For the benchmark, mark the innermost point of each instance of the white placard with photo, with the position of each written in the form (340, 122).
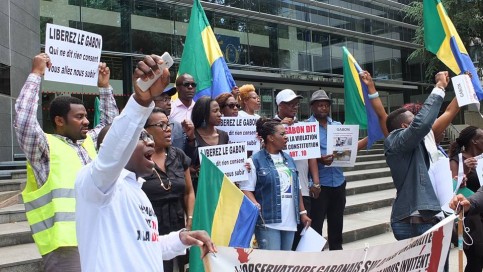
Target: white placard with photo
(465, 91)
(75, 55)
(230, 158)
(342, 143)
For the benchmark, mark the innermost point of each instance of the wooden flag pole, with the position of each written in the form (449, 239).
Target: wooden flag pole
(460, 242)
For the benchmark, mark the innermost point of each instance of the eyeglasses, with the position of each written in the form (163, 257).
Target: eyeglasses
(187, 84)
(162, 98)
(163, 126)
(146, 137)
(233, 105)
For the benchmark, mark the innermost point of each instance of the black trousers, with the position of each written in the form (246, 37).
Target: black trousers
(330, 204)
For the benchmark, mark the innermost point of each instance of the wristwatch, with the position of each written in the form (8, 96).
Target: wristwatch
(316, 185)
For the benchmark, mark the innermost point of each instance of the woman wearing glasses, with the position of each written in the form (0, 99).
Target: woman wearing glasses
(228, 105)
(169, 188)
(249, 101)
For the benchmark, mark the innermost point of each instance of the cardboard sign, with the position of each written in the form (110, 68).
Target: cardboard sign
(230, 158)
(75, 55)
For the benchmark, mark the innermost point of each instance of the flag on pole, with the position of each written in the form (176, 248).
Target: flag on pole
(358, 107)
(202, 57)
(442, 39)
(97, 112)
(222, 210)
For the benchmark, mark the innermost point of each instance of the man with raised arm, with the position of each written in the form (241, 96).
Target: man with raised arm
(53, 162)
(117, 228)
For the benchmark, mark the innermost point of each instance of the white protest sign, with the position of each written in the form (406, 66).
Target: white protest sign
(75, 55)
(311, 241)
(303, 140)
(342, 143)
(465, 91)
(422, 253)
(229, 158)
(241, 129)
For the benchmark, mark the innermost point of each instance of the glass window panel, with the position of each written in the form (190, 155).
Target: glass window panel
(4, 79)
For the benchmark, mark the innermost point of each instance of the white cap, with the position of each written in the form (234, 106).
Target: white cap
(286, 95)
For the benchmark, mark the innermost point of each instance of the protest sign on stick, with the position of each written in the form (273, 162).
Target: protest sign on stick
(75, 55)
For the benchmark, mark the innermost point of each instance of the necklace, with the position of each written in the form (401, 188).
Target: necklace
(162, 183)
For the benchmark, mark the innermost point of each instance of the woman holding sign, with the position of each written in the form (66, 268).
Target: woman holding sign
(273, 183)
(470, 144)
(169, 188)
(205, 116)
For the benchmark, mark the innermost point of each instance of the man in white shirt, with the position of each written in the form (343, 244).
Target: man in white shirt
(117, 229)
(182, 107)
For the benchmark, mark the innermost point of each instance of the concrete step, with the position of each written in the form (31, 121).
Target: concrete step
(373, 157)
(19, 157)
(20, 258)
(367, 174)
(364, 224)
(15, 234)
(10, 165)
(13, 174)
(371, 151)
(367, 165)
(366, 186)
(7, 194)
(369, 201)
(12, 184)
(14, 213)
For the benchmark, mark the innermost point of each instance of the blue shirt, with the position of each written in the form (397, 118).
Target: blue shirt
(328, 176)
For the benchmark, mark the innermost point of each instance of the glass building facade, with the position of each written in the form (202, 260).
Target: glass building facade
(274, 44)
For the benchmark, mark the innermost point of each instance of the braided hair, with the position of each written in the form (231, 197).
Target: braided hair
(463, 140)
(266, 127)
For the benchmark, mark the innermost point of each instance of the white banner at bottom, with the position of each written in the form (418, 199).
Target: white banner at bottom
(423, 253)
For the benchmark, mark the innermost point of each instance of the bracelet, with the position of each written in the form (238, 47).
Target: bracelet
(316, 185)
(303, 212)
(373, 96)
(190, 217)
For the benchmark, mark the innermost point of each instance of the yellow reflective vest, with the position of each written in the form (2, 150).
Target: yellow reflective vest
(50, 209)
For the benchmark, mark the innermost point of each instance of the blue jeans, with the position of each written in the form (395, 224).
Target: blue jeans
(273, 239)
(403, 231)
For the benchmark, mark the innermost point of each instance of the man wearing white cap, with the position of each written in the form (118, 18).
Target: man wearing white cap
(288, 105)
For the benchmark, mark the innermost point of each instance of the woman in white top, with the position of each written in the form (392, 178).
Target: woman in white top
(249, 101)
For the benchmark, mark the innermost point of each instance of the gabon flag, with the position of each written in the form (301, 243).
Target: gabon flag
(202, 57)
(222, 210)
(442, 39)
(358, 107)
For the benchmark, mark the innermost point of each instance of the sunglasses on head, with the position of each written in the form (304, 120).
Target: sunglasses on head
(146, 137)
(188, 84)
(233, 105)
